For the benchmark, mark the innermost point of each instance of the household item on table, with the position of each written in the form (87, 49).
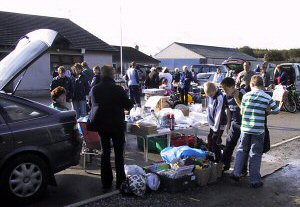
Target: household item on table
(136, 113)
(185, 109)
(153, 92)
(143, 129)
(196, 107)
(198, 118)
(156, 103)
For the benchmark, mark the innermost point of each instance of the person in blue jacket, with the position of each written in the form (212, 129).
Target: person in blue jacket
(185, 79)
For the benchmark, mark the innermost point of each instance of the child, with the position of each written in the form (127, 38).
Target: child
(96, 78)
(254, 108)
(233, 100)
(164, 85)
(216, 118)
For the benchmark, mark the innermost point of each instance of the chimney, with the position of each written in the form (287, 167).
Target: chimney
(137, 47)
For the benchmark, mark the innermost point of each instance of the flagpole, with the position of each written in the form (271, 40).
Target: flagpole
(121, 49)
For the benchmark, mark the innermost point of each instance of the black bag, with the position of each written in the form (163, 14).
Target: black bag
(267, 145)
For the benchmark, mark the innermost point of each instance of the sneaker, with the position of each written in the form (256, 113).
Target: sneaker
(234, 178)
(257, 185)
(244, 174)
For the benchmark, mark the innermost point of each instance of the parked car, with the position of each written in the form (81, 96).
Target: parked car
(206, 68)
(293, 72)
(36, 141)
(202, 78)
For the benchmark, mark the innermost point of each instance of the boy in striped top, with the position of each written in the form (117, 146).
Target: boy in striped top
(255, 107)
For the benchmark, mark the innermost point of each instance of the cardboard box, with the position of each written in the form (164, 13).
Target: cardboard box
(156, 103)
(143, 129)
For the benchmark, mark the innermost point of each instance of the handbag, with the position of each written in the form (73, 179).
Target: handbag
(267, 144)
(91, 122)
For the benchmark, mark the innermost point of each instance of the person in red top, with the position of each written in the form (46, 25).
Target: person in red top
(281, 76)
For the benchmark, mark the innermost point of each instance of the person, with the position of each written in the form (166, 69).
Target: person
(65, 82)
(257, 69)
(232, 99)
(58, 96)
(108, 104)
(185, 80)
(55, 73)
(281, 76)
(81, 91)
(133, 83)
(96, 78)
(176, 79)
(87, 72)
(265, 75)
(152, 79)
(166, 74)
(216, 118)
(244, 77)
(164, 85)
(255, 106)
(218, 77)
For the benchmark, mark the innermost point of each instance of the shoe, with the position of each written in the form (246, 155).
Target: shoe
(244, 174)
(235, 178)
(257, 185)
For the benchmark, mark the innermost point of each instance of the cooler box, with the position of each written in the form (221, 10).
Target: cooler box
(155, 144)
(179, 184)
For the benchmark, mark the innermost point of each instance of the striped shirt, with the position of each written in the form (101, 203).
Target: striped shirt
(254, 106)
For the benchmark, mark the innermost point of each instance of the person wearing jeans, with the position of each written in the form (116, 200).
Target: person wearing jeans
(254, 108)
(132, 78)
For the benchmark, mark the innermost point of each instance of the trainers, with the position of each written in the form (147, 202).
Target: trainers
(244, 174)
(234, 178)
(257, 185)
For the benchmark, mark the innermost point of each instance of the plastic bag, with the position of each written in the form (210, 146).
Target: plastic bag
(169, 155)
(133, 170)
(196, 108)
(173, 154)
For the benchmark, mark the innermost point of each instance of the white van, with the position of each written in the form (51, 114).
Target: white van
(293, 71)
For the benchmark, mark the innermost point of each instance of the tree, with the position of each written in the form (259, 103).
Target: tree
(247, 50)
(274, 55)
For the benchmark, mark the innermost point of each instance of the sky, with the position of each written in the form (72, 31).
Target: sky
(155, 24)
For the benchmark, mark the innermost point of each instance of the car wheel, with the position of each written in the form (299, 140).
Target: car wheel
(25, 178)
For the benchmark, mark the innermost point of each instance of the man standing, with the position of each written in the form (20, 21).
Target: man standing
(152, 79)
(81, 91)
(133, 83)
(87, 72)
(65, 82)
(107, 115)
(244, 77)
(185, 79)
(218, 77)
(254, 108)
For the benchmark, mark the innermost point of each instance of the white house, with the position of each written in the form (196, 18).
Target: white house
(179, 54)
(79, 45)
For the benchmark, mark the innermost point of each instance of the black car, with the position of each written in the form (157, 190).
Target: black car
(36, 141)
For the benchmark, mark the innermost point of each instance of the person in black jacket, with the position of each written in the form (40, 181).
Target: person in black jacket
(65, 82)
(96, 78)
(107, 116)
(152, 79)
(81, 91)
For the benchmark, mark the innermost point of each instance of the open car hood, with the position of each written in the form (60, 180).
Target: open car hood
(29, 48)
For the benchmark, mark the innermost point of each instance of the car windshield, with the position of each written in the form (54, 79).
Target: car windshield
(236, 67)
(203, 76)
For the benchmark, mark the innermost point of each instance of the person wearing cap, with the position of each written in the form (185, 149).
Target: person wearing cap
(152, 79)
(108, 102)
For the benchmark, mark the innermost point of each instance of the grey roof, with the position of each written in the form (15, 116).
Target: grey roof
(217, 52)
(131, 54)
(14, 25)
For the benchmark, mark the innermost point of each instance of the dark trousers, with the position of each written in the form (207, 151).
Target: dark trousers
(118, 139)
(134, 93)
(212, 140)
(231, 142)
(184, 95)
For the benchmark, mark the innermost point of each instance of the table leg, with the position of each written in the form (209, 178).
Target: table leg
(145, 148)
(169, 139)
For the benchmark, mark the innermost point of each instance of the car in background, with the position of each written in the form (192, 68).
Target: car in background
(36, 141)
(293, 72)
(206, 68)
(234, 66)
(202, 78)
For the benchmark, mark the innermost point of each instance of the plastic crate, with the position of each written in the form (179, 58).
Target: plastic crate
(155, 144)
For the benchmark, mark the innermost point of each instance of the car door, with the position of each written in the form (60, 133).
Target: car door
(26, 123)
(297, 79)
(5, 137)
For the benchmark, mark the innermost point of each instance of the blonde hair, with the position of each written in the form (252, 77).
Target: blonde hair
(257, 81)
(209, 86)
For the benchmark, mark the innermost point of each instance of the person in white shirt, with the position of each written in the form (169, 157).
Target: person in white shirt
(167, 75)
(218, 77)
(132, 78)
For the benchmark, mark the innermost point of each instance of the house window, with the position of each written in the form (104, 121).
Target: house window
(64, 60)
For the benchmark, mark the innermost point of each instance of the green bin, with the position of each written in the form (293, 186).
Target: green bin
(155, 144)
